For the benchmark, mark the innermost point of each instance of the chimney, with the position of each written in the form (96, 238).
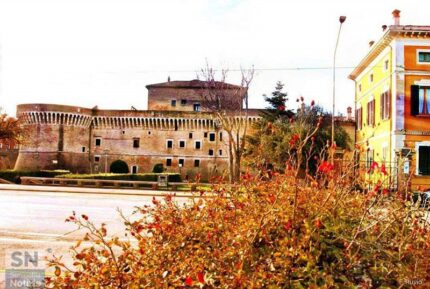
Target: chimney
(384, 27)
(396, 16)
(349, 112)
(371, 43)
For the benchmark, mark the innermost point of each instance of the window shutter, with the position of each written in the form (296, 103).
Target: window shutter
(415, 95)
(388, 103)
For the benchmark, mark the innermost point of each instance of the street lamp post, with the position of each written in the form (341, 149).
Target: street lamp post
(341, 20)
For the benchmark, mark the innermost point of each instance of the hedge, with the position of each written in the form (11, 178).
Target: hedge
(12, 175)
(148, 177)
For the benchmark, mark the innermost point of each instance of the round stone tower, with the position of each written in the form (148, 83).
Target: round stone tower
(57, 137)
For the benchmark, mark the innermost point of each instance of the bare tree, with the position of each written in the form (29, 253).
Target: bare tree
(229, 104)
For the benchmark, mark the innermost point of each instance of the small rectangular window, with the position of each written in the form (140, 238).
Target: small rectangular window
(371, 77)
(134, 169)
(220, 152)
(96, 159)
(211, 152)
(359, 87)
(168, 162)
(136, 142)
(205, 134)
(183, 101)
(173, 102)
(220, 136)
(198, 145)
(196, 107)
(181, 162)
(212, 136)
(98, 142)
(424, 56)
(190, 135)
(83, 149)
(196, 163)
(169, 143)
(181, 143)
(386, 64)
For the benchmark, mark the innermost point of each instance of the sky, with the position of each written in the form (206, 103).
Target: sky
(104, 52)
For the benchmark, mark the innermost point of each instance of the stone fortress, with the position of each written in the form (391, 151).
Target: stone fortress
(175, 131)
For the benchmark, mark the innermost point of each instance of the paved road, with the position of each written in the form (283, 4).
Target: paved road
(35, 219)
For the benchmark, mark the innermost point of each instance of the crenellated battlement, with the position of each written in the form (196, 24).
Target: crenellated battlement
(117, 119)
(55, 118)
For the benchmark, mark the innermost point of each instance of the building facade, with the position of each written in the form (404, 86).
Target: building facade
(392, 100)
(175, 131)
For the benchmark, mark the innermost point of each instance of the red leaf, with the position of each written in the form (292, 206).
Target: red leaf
(189, 281)
(201, 277)
(318, 223)
(288, 225)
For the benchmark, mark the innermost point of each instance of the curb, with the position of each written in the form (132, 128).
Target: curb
(98, 191)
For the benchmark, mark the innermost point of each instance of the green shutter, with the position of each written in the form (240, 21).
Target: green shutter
(415, 99)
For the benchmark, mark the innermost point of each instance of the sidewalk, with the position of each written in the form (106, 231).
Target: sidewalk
(103, 191)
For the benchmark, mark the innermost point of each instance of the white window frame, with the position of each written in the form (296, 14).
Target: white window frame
(418, 56)
(195, 144)
(179, 143)
(167, 141)
(417, 160)
(95, 141)
(97, 156)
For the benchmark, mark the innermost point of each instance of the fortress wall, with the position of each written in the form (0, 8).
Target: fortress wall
(117, 134)
(56, 136)
(66, 137)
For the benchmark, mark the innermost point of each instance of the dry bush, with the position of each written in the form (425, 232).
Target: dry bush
(273, 230)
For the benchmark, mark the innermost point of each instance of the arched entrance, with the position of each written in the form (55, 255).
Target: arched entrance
(119, 167)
